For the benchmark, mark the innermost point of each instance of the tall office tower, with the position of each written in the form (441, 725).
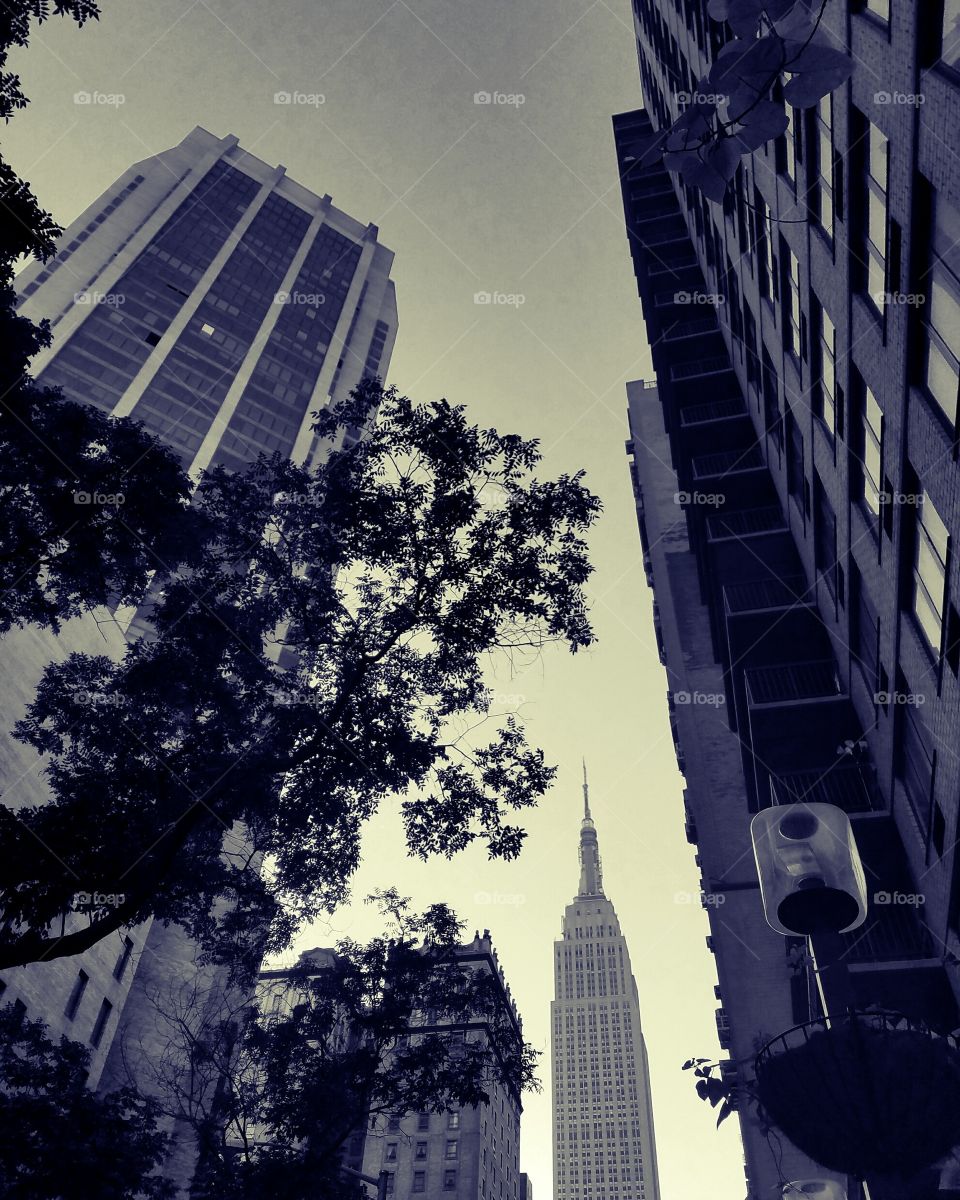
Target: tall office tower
(801, 544)
(461, 1154)
(603, 1142)
(210, 296)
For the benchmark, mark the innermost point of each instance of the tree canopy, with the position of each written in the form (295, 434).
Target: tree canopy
(61, 1140)
(325, 652)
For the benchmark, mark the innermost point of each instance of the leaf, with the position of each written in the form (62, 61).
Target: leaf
(816, 70)
(725, 1112)
(743, 16)
(702, 1089)
(764, 122)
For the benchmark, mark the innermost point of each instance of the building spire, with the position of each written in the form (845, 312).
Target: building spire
(591, 873)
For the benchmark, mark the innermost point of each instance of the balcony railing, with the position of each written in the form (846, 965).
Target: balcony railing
(664, 237)
(728, 462)
(762, 595)
(687, 329)
(700, 366)
(787, 683)
(892, 933)
(746, 522)
(714, 410)
(844, 784)
(664, 266)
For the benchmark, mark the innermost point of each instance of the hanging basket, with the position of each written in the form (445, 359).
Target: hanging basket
(868, 1094)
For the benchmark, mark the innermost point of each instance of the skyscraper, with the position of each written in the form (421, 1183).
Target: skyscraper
(603, 1137)
(208, 295)
(213, 298)
(795, 471)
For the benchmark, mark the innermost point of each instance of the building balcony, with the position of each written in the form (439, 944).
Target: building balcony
(770, 594)
(700, 368)
(793, 683)
(720, 424)
(746, 522)
(713, 411)
(679, 265)
(843, 783)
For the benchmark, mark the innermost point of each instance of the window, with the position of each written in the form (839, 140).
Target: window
(875, 243)
(871, 452)
(950, 41)
(879, 8)
(929, 571)
(419, 1181)
(391, 1152)
(103, 1016)
(791, 303)
(449, 1181)
(451, 1150)
(791, 145)
(76, 995)
(391, 1183)
(915, 758)
(421, 1150)
(123, 959)
(795, 476)
(393, 1124)
(827, 363)
(453, 1120)
(768, 264)
(866, 633)
(825, 190)
(423, 1121)
(942, 371)
(824, 537)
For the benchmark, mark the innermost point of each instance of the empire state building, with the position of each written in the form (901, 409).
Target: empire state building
(603, 1141)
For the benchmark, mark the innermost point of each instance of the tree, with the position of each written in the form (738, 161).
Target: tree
(384, 580)
(60, 1140)
(90, 508)
(738, 106)
(395, 1026)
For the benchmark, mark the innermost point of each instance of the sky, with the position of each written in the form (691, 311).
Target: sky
(517, 197)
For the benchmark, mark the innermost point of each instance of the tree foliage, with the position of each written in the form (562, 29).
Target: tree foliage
(777, 56)
(58, 1139)
(383, 581)
(398, 1025)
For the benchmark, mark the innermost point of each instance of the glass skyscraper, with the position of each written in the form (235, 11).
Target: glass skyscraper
(603, 1141)
(217, 301)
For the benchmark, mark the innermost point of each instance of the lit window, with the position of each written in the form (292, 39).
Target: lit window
(878, 170)
(950, 42)
(451, 1150)
(879, 8)
(828, 371)
(453, 1120)
(943, 310)
(872, 451)
(207, 329)
(824, 196)
(930, 571)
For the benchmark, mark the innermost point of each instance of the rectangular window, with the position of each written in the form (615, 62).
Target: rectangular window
(824, 537)
(791, 302)
(795, 477)
(915, 758)
(866, 473)
(100, 1025)
(950, 40)
(123, 958)
(930, 572)
(791, 138)
(449, 1181)
(451, 1150)
(423, 1121)
(419, 1181)
(421, 1150)
(875, 242)
(826, 187)
(393, 1124)
(879, 8)
(866, 633)
(827, 383)
(453, 1120)
(765, 242)
(391, 1183)
(76, 995)
(391, 1152)
(942, 371)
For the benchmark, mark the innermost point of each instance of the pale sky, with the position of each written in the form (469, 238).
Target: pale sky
(516, 198)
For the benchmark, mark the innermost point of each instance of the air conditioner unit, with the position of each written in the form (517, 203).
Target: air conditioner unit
(823, 1189)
